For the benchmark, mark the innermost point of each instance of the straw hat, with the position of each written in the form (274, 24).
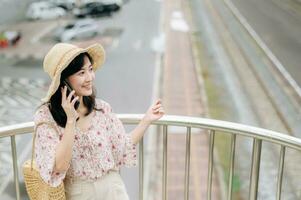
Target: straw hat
(60, 56)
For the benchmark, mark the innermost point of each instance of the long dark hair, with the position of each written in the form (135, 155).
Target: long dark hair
(55, 101)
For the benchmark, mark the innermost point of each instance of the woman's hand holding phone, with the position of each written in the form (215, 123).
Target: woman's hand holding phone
(68, 105)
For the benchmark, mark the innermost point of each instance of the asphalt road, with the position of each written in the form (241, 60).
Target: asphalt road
(125, 80)
(278, 23)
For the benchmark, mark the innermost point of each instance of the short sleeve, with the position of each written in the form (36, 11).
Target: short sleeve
(46, 141)
(123, 149)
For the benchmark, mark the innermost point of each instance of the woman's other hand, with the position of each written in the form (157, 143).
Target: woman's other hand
(68, 105)
(155, 112)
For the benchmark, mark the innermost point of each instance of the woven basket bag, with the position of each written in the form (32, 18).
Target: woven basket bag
(36, 187)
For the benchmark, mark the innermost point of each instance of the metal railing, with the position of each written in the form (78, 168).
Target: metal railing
(257, 134)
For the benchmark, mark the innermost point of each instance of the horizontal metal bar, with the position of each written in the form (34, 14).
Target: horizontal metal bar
(193, 122)
(258, 134)
(222, 126)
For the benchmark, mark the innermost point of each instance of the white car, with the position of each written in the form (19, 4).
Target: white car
(44, 10)
(118, 2)
(85, 28)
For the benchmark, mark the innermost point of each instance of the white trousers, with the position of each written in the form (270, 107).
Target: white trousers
(108, 187)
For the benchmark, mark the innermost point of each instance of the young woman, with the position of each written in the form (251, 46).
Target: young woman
(87, 144)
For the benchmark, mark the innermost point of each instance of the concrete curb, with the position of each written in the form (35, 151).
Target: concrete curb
(152, 147)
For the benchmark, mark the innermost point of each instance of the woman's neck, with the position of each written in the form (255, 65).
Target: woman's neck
(81, 108)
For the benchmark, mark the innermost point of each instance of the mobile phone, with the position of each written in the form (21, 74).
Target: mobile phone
(69, 89)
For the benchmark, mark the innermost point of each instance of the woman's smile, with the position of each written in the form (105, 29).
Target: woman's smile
(87, 87)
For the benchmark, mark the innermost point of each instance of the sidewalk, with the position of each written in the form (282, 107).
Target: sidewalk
(182, 96)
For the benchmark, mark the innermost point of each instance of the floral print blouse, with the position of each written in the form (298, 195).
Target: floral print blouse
(103, 147)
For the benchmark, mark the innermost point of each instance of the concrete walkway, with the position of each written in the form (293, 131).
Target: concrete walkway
(181, 94)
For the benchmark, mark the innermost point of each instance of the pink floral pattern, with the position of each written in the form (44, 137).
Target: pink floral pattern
(103, 147)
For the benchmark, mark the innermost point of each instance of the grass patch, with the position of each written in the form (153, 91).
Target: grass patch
(217, 109)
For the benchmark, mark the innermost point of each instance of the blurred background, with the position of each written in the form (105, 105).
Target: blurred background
(233, 60)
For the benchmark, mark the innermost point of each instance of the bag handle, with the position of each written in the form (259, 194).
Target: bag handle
(34, 137)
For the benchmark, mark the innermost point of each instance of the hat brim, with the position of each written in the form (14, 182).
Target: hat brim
(97, 54)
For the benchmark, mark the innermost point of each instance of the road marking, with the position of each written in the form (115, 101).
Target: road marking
(158, 43)
(24, 81)
(137, 45)
(6, 81)
(44, 31)
(10, 101)
(23, 101)
(178, 23)
(115, 43)
(22, 87)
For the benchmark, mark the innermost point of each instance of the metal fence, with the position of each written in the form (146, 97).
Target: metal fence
(257, 134)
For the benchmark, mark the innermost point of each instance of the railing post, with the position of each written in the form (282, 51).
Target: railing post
(187, 163)
(164, 191)
(141, 169)
(255, 169)
(210, 167)
(232, 158)
(280, 172)
(15, 165)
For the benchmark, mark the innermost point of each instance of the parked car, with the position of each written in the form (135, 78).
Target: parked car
(96, 9)
(84, 28)
(44, 10)
(119, 2)
(9, 38)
